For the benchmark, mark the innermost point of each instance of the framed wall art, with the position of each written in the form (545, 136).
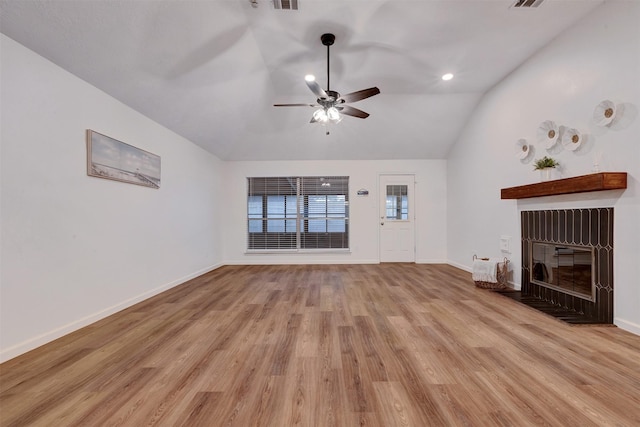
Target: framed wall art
(112, 159)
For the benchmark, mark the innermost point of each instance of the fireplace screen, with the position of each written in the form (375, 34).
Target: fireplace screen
(566, 268)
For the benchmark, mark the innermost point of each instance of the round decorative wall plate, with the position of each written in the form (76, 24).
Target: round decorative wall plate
(548, 133)
(522, 148)
(571, 139)
(604, 113)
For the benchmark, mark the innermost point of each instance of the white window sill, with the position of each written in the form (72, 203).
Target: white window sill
(296, 251)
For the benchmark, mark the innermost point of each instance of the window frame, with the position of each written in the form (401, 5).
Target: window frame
(279, 240)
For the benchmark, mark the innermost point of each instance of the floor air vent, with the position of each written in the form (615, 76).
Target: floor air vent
(527, 3)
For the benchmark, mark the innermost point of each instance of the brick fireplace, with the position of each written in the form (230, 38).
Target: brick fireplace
(585, 235)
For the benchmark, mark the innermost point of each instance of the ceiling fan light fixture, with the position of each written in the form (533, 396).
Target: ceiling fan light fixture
(320, 115)
(333, 114)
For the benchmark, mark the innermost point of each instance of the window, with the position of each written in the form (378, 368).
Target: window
(292, 213)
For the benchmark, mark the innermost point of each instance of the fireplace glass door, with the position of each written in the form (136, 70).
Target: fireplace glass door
(566, 268)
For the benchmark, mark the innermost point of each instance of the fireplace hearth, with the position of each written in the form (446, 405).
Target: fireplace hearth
(567, 263)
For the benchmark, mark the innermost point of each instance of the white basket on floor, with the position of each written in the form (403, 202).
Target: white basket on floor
(502, 272)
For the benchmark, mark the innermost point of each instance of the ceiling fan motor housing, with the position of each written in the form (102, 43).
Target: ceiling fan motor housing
(331, 100)
(327, 39)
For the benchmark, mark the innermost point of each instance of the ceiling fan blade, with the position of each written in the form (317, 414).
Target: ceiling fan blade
(315, 88)
(361, 94)
(350, 111)
(295, 105)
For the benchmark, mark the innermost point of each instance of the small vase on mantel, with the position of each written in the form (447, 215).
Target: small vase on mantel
(545, 174)
(545, 165)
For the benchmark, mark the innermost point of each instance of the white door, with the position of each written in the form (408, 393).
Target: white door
(397, 218)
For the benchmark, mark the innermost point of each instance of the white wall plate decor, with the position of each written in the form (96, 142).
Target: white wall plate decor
(548, 133)
(571, 139)
(604, 113)
(521, 148)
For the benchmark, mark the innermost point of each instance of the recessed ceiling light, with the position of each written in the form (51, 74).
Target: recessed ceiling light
(447, 76)
(310, 78)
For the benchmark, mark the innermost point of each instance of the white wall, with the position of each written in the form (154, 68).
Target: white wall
(76, 248)
(597, 59)
(430, 207)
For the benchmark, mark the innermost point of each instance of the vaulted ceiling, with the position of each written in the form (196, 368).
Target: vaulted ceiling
(211, 70)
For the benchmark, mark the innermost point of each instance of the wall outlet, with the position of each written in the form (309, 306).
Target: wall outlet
(505, 244)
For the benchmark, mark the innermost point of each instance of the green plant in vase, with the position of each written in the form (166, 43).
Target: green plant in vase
(544, 165)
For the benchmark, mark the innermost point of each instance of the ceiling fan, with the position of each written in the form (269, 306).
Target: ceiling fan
(330, 104)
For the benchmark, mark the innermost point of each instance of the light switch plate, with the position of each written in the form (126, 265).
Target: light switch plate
(505, 244)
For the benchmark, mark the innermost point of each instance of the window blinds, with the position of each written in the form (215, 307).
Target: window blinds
(293, 213)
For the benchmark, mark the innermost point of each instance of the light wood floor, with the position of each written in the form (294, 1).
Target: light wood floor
(374, 345)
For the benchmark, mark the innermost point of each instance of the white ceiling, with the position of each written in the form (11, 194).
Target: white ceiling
(212, 70)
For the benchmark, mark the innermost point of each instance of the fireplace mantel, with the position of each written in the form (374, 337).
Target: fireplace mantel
(578, 184)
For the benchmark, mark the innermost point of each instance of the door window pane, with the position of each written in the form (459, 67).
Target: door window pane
(397, 204)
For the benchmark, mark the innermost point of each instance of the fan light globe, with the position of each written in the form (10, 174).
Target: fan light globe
(333, 114)
(320, 115)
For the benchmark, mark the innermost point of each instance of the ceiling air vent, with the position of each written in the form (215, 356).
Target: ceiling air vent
(285, 4)
(527, 3)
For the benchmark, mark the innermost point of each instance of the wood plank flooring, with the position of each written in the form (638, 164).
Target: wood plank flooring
(328, 345)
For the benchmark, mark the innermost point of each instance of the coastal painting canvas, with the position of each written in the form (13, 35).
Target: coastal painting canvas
(112, 159)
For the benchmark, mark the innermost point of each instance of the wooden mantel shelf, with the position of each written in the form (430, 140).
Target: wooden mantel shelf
(578, 184)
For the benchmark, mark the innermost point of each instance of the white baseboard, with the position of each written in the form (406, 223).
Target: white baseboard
(632, 327)
(35, 342)
(431, 261)
(299, 261)
(466, 268)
